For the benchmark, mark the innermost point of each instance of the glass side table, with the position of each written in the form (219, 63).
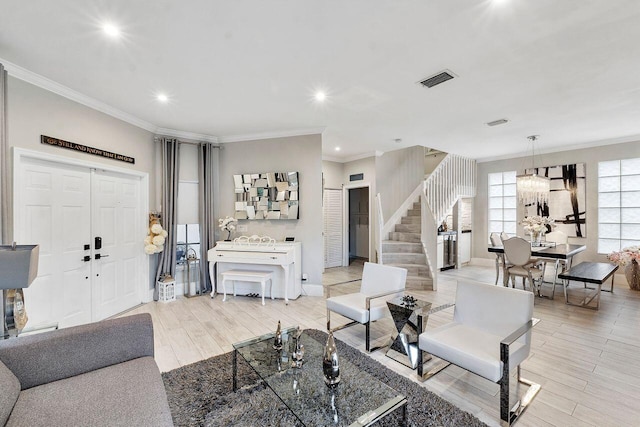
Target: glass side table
(403, 347)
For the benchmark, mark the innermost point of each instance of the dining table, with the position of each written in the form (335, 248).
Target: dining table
(563, 251)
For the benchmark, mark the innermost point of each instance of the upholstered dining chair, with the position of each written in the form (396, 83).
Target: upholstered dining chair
(504, 236)
(517, 252)
(379, 283)
(559, 238)
(490, 335)
(497, 241)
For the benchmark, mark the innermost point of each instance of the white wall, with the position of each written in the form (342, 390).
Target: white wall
(332, 174)
(301, 154)
(398, 173)
(589, 156)
(33, 111)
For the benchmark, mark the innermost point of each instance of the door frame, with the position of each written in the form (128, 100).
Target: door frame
(144, 294)
(345, 219)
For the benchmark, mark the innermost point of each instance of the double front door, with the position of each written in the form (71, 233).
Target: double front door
(88, 225)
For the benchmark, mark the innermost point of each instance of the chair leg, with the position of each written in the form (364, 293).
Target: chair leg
(328, 319)
(509, 415)
(367, 336)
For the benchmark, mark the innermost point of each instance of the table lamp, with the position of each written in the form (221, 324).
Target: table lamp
(18, 269)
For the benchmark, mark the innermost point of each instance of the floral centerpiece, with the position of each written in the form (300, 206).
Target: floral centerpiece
(629, 258)
(154, 242)
(536, 226)
(227, 224)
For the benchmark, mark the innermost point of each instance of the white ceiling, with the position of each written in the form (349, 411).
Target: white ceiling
(568, 70)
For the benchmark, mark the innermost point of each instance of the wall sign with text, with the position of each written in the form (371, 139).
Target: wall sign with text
(85, 149)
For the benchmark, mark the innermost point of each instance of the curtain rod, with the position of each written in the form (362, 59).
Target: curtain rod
(157, 138)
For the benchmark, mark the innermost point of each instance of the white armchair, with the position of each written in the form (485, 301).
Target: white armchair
(489, 336)
(379, 283)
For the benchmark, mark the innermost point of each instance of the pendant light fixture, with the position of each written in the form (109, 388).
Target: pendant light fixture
(531, 187)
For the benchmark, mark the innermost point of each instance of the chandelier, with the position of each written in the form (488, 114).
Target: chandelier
(531, 187)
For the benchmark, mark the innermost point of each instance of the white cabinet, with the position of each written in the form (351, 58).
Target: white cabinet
(440, 252)
(464, 246)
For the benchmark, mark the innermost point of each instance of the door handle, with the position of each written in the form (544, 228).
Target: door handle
(98, 256)
(86, 258)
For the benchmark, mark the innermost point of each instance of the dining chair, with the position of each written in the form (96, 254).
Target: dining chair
(504, 236)
(517, 252)
(497, 241)
(379, 283)
(559, 238)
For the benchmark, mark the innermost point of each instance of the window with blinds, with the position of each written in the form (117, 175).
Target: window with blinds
(618, 204)
(502, 203)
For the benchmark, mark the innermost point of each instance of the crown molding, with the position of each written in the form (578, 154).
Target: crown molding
(557, 149)
(353, 158)
(271, 135)
(64, 91)
(201, 137)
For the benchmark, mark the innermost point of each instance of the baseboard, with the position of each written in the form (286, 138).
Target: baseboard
(312, 290)
(485, 262)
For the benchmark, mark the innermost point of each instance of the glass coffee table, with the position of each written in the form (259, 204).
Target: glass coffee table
(358, 400)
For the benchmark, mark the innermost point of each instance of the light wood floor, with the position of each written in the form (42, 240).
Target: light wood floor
(588, 362)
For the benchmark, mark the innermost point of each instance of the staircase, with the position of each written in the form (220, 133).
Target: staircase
(404, 249)
(412, 240)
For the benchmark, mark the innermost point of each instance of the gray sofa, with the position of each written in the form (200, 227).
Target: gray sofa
(101, 374)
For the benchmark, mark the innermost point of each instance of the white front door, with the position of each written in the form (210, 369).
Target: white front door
(332, 209)
(115, 216)
(63, 208)
(55, 213)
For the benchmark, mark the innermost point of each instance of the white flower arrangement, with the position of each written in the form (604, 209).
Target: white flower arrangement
(628, 255)
(154, 242)
(227, 223)
(536, 224)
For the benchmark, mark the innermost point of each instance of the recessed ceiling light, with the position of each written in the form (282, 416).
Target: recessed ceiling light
(162, 97)
(111, 30)
(337, 148)
(320, 96)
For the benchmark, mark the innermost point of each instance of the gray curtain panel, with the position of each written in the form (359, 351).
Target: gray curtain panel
(207, 181)
(6, 227)
(170, 163)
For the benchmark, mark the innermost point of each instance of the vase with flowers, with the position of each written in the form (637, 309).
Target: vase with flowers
(629, 259)
(227, 224)
(536, 226)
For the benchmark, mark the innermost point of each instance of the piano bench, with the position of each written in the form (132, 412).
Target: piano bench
(246, 276)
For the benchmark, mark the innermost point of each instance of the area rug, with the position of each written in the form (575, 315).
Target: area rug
(201, 395)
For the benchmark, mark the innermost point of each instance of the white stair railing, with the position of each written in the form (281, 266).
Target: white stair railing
(380, 233)
(454, 177)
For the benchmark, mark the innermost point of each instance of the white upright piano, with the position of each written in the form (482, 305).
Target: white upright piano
(283, 259)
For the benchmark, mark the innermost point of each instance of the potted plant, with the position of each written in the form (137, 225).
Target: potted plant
(628, 258)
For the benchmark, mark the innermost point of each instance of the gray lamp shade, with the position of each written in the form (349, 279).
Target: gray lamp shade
(19, 267)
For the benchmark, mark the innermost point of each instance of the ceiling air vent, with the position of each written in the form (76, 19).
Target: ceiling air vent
(497, 122)
(435, 80)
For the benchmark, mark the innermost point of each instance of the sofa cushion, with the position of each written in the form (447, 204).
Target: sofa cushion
(127, 394)
(353, 306)
(471, 348)
(9, 394)
(51, 356)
